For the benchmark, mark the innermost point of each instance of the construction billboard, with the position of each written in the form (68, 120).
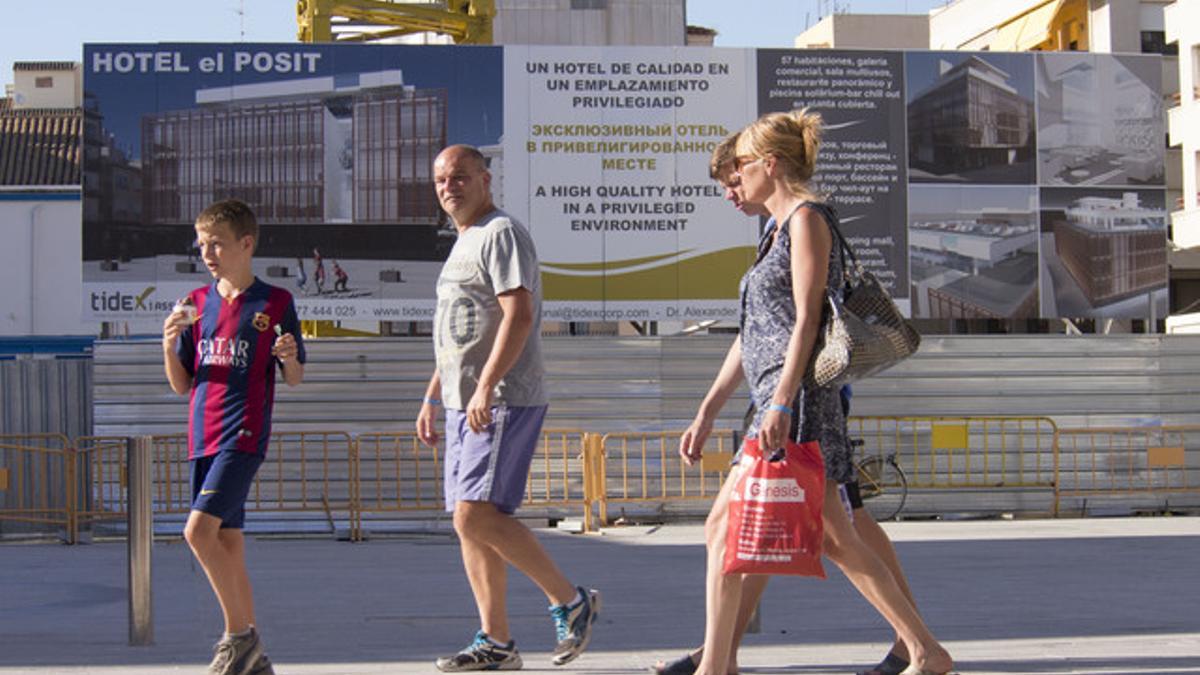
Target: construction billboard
(974, 185)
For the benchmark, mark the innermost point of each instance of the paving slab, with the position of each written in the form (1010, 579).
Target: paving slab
(1105, 596)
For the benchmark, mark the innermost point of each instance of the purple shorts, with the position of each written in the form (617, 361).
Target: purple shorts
(493, 465)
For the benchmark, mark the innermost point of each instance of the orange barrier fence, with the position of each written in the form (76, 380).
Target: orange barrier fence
(37, 481)
(1129, 460)
(395, 473)
(104, 478)
(963, 452)
(47, 480)
(646, 467)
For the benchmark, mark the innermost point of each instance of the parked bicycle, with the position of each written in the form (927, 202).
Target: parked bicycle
(881, 483)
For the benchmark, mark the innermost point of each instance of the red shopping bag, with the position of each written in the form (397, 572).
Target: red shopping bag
(775, 513)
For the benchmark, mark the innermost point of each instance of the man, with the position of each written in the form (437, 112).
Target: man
(489, 377)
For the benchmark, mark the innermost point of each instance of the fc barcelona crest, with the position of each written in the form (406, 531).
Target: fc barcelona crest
(261, 321)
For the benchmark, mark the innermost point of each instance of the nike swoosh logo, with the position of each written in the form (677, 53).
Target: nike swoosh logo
(208, 492)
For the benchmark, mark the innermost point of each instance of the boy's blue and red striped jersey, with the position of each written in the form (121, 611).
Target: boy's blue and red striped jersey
(227, 351)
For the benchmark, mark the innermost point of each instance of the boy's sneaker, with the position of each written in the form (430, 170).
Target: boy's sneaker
(482, 654)
(263, 666)
(573, 624)
(236, 654)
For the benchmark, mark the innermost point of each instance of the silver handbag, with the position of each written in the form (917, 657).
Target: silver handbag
(865, 333)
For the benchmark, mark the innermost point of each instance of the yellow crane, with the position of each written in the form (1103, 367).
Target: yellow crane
(467, 21)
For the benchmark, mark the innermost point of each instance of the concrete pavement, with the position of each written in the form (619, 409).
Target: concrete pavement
(1007, 597)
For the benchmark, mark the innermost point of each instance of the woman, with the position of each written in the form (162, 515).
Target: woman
(783, 298)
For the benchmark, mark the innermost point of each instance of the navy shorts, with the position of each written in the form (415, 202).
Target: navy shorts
(853, 494)
(220, 484)
(493, 465)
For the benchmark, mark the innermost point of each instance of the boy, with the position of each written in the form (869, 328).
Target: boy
(222, 344)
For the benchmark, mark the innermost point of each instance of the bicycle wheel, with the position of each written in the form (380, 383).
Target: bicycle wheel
(883, 486)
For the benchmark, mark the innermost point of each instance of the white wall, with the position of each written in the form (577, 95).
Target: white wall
(40, 267)
(817, 36)
(66, 90)
(1183, 26)
(867, 31)
(1115, 25)
(960, 23)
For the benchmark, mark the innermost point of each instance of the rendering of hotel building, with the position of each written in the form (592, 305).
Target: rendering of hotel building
(352, 148)
(969, 118)
(1113, 248)
(980, 268)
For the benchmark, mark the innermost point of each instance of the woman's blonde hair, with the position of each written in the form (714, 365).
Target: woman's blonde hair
(792, 138)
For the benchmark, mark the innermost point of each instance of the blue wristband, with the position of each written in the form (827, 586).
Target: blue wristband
(779, 407)
(433, 401)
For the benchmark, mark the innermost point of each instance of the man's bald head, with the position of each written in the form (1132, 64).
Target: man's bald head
(463, 184)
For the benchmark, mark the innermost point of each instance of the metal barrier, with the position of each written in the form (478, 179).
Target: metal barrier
(44, 479)
(1128, 460)
(307, 471)
(645, 467)
(37, 481)
(556, 474)
(964, 452)
(104, 479)
(395, 473)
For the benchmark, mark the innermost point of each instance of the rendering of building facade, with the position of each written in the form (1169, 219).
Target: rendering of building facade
(1113, 248)
(970, 118)
(979, 268)
(299, 151)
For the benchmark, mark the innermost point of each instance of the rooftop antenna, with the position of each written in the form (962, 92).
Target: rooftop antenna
(241, 12)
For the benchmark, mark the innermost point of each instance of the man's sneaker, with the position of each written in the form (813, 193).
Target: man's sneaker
(236, 654)
(573, 624)
(263, 666)
(482, 654)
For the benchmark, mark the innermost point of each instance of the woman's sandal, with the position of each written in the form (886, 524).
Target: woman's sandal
(681, 666)
(890, 665)
(914, 670)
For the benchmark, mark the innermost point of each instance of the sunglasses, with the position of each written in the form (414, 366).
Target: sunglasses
(740, 163)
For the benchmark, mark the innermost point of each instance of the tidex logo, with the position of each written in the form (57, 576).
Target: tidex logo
(115, 301)
(773, 490)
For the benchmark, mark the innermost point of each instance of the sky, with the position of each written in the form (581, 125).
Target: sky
(55, 30)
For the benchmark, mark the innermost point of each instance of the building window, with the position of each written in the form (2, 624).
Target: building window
(589, 4)
(1195, 71)
(43, 82)
(1155, 42)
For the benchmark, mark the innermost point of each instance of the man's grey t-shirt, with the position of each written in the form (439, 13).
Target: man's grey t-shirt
(491, 257)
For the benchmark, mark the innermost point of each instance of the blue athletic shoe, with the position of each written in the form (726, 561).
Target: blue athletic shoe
(482, 654)
(573, 624)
